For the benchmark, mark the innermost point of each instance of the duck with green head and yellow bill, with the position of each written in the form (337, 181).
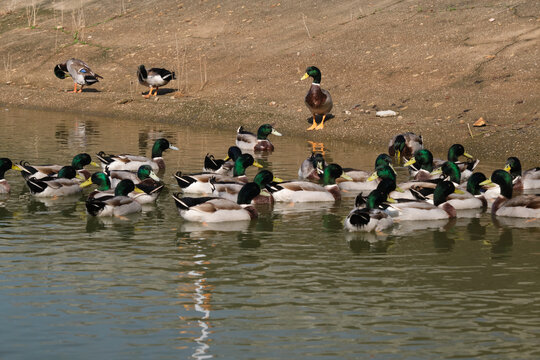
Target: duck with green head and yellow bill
(5, 165)
(78, 162)
(410, 190)
(216, 209)
(199, 183)
(133, 162)
(317, 99)
(472, 195)
(523, 206)
(522, 180)
(404, 145)
(67, 182)
(222, 166)
(118, 204)
(423, 210)
(146, 190)
(360, 178)
(368, 215)
(421, 165)
(79, 71)
(248, 141)
(230, 190)
(305, 191)
(465, 167)
(144, 174)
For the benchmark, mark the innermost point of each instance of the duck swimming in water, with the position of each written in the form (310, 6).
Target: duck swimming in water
(246, 140)
(133, 162)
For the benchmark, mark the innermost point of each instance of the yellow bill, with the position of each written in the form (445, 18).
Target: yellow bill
(373, 176)
(410, 162)
(306, 75)
(86, 183)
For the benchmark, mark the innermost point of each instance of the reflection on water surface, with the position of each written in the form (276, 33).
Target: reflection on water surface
(292, 284)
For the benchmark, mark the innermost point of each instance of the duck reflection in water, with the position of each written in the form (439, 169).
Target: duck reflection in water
(360, 242)
(124, 225)
(443, 238)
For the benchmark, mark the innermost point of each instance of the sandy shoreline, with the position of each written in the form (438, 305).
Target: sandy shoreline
(439, 66)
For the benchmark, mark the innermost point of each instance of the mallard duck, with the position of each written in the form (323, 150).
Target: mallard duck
(118, 204)
(154, 78)
(312, 167)
(422, 210)
(103, 183)
(79, 71)
(146, 190)
(246, 140)
(523, 206)
(41, 171)
(423, 165)
(199, 183)
(133, 162)
(5, 165)
(360, 178)
(411, 190)
(405, 145)
(230, 190)
(317, 99)
(144, 173)
(215, 209)
(367, 216)
(473, 197)
(466, 168)
(529, 179)
(225, 166)
(64, 184)
(305, 191)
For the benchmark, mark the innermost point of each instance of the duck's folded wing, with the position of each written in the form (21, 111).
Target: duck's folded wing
(528, 201)
(301, 186)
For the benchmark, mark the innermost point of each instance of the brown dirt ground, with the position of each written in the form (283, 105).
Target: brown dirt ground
(440, 64)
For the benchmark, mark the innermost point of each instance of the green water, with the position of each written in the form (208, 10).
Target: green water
(290, 285)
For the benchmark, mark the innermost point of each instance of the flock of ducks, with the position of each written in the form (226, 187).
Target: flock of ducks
(437, 189)
(317, 99)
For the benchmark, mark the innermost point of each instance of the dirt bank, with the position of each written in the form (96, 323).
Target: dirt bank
(441, 66)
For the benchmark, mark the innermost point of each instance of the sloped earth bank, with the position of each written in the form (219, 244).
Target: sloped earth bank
(441, 65)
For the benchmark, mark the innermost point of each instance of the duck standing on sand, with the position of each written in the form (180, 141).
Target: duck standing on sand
(318, 100)
(79, 71)
(154, 78)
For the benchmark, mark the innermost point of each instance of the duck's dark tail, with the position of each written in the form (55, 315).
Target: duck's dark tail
(91, 79)
(185, 180)
(94, 206)
(27, 169)
(184, 203)
(105, 158)
(359, 218)
(212, 164)
(36, 186)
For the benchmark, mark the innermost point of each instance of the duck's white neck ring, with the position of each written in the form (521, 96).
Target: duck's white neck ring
(316, 84)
